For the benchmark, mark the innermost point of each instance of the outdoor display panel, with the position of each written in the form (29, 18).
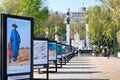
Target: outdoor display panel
(0, 61)
(73, 49)
(69, 48)
(0, 54)
(52, 50)
(17, 48)
(63, 50)
(0, 64)
(40, 51)
(0, 48)
(66, 49)
(59, 49)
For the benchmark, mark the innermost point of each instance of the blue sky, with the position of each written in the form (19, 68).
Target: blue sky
(23, 30)
(1, 0)
(74, 5)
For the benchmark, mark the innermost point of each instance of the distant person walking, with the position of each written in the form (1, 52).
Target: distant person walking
(96, 51)
(105, 51)
(15, 38)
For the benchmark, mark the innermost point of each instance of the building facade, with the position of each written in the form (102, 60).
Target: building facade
(78, 16)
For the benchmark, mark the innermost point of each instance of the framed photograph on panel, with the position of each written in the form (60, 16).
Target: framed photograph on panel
(66, 49)
(59, 49)
(52, 46)
(17, 47)
(63, 50)
(69, 49)
(40, 52)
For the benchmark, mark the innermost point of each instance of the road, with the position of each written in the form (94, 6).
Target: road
(86, 67)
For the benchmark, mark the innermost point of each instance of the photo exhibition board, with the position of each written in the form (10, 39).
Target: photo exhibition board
(59, 49)
(18, 47)
(52, 50)
(69, 48)
(63, 50)
(66, 49)
(73, 49)
(40, 52)
(0, 61)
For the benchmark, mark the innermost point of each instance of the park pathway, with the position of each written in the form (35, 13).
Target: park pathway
(88, 68)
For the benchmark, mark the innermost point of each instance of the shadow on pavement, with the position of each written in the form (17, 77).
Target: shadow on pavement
(79, 79)
(80, 62)
(77, 64)
(80, 72)
(77, 67)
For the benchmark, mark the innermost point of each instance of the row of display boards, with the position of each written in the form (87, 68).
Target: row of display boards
(21, 53)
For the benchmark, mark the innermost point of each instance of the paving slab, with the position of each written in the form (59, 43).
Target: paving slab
(87, 68)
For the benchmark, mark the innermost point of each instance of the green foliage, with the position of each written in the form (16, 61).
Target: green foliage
(118, 37)
(56, 26)
(32, 8)
(28, 8)
(9, 6)
(114, 8)
(101, 25)
(43, 22)
(78, 27)
(104, 23)
(95, 26)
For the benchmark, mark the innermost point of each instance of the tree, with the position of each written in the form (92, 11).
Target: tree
(55, 21)
(114, 7)
(95, 26)
(33, 8)
(10, 6)
(118, 37)
(28, 8)
(101, 26)
(78, 27)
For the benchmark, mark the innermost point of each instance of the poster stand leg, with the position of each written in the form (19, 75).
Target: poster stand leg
(56, 66)
(61, 62)
(47, 71)
(38, 70)
(65, 60)
(43, 72)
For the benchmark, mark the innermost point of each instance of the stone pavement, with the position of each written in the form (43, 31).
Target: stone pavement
(87, 68)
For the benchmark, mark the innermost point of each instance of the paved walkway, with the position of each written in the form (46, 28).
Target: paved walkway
(88, 68)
